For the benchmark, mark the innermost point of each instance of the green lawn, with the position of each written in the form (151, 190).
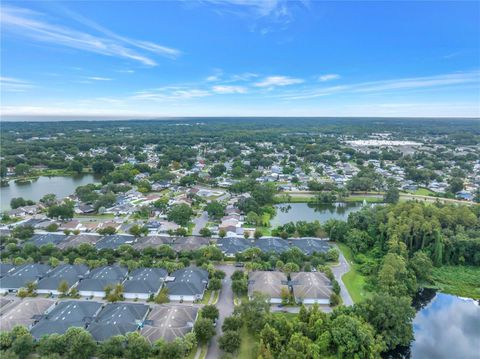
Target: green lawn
(354, 281)
(463, 281)
(367, 199)
(249, 346)
(206, 296)
(423, 192)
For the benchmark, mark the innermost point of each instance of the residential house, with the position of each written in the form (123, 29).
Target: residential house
(273, 284)
(99, 278)
(144, 282)
(71, 274)
(311, 287)
(187, 284)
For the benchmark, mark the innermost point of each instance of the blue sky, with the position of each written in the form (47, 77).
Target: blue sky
(240, 58)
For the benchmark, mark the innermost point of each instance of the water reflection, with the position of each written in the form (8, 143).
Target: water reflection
(449, 327)
(294, 212)
(445, 327)
(60, 186)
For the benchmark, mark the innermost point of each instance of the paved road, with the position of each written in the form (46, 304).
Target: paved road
(200, 222)
(225, 308)
(339, 270)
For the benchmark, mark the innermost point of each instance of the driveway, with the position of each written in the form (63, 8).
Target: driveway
(339, 270)
(200, 222)
(225, 308)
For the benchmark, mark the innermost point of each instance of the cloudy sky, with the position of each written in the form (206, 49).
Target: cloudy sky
(240, 58)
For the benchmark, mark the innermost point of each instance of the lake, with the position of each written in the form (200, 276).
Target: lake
(60, 186)
(445, 327)
(294, 212)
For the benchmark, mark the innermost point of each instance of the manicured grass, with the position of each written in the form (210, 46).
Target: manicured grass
(353, 280)
(216, 294)
(424, 192)
(248, 347)
(367, 199)
(206, 297)
(280, 198)
(463, 281)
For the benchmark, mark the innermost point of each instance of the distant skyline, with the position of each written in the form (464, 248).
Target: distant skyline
(240, 58)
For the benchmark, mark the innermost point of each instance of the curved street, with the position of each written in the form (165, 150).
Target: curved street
(339, 270)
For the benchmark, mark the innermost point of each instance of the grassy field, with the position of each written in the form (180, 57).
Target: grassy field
(354, 281)
(424, 192)
(463, 281)
(248, 347)
(367, 199)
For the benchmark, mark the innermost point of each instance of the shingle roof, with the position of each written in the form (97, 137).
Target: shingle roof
(21, 275)
(311, 285)
(65, 314)
(118, 319)
(65, 272)
(114, 241)
(233, 245)
(188, 281)
(169, 322)
(99, 278)
(145, 280)
(271, 244)
(269, 283)
(23, 312)
(47, 238)
(310, 245)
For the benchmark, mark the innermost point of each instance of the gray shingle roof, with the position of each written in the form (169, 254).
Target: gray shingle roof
(47, 238)
(21, 275)
(118, 319)
(271, 244)
(99, 278)
(114, 241)
(231, 246)
(188, 281)
(64, 272)
(65, 314)
(169, 322)
(145, 280)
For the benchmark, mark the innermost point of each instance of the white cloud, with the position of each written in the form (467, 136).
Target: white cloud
(223, 89)
(389, 85)
(98, 78)
(273, 81)
(26, 23)
(328, 77)
(10, 84)
(170, 93)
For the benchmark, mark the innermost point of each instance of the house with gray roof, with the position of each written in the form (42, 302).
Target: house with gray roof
(144, 282)
(66, 314)
(187, 284)
(20, 276)
(96, 281)
(311, 287)
(271, 244)
(310, 245)
(270, 283)
(23, 312)
(69, 273)
(114, 241)
(169, 321)
(231, 246)
(47, 238)
(118, 319)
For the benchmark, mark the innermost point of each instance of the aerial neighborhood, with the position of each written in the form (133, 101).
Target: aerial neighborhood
(172, 241)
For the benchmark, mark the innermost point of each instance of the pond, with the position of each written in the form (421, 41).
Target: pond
(445, 326)
(294, 212)
(60, 186)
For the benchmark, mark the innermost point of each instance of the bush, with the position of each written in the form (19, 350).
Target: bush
(229, 341)
(334, 300)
